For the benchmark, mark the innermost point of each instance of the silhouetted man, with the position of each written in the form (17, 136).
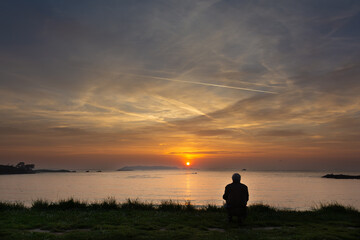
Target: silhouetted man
(236, 196)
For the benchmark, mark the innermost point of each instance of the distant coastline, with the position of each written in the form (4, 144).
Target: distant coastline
(341, 176)
(52, 171)
(22, 168)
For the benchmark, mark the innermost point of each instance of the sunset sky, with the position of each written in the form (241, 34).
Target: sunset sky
(222, 84)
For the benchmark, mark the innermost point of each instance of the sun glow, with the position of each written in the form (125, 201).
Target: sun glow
(187, 163)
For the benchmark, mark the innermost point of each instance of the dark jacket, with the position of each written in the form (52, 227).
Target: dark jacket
(236, 195)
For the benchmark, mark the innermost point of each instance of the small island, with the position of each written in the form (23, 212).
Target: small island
(341, 176)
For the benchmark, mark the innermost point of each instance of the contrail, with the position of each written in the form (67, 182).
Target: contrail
(217, 85)
(204, 84)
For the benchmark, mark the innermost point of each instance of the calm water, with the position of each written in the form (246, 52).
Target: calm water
(293, 190)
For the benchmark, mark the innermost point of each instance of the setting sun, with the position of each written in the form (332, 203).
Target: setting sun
(187, 163)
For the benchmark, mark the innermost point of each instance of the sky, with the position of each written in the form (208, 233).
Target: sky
(224, 84)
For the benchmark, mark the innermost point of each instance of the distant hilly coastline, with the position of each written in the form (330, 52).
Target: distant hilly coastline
(341, 176)
(144, 168)
(52, 171)
(22, 168)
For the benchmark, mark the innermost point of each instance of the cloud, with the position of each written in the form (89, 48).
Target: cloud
(68, 131)
(208, 153)
(282, 133)
(125, 77)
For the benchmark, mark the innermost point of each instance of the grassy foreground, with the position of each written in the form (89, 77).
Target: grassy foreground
(71, 219)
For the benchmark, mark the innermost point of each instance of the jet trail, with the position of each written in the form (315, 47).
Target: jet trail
(216, 85)
(204, 84)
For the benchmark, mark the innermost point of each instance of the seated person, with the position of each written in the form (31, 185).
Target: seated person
(236, 196)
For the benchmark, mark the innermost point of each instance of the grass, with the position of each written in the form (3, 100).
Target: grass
(133, 219)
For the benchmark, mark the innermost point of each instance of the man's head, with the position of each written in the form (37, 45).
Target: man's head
(236, 178)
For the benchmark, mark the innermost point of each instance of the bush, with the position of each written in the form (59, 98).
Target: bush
(40, 204)
(11, 206)
(261, 208)
(107, 204)
(212, 208)
(333, 208)
(69, 204)
(136, 204)
(171, 205)
(188, 206)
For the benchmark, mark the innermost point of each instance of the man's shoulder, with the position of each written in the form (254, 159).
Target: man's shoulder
(243, 186)
(236, 185)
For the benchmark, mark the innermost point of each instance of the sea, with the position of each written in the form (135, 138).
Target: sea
(281, 189)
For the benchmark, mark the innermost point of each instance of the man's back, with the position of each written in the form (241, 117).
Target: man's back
(236, 194)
